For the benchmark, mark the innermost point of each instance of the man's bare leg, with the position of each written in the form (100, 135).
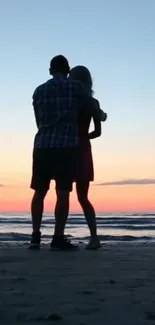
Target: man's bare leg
(61, 216)
(37, 207)
(61, 212)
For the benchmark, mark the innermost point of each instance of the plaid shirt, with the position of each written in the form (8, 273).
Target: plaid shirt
(56, 104)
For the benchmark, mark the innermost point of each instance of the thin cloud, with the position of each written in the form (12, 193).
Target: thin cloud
(141, 181)
(1, 185)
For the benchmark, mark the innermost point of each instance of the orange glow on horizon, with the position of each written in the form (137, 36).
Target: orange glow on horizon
(133, 198)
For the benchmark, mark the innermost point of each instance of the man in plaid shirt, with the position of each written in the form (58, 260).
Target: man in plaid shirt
(56, 106)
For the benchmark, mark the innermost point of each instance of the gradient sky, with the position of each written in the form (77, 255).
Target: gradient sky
(115, 40)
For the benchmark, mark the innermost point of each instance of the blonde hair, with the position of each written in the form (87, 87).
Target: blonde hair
(82, 74)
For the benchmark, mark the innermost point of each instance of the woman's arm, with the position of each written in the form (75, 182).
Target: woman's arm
(98, 116)
(97, 129)
(97, 121)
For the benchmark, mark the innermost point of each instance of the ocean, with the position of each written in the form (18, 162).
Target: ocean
(16, 227)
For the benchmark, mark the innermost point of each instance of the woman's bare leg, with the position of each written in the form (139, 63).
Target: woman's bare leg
(89, 212)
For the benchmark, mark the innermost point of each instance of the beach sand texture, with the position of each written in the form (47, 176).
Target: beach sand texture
(115, 285)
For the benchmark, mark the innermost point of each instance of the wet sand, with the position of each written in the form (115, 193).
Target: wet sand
(115, 285)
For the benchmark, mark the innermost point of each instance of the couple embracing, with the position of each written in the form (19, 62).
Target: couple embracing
(63, 108)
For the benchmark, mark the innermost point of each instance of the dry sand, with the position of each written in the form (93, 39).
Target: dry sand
(115, 285)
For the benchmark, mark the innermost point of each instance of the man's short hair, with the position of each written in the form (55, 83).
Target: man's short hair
(59, 64)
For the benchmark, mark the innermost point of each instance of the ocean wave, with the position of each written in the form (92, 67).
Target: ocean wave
(18, 237)
(114, 222)
(79, 214)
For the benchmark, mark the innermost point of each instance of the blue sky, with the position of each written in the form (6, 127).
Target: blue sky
(115, 40)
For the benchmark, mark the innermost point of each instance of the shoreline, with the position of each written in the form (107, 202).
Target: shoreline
(114, 285)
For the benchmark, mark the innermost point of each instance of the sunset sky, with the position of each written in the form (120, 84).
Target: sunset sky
(115, 40)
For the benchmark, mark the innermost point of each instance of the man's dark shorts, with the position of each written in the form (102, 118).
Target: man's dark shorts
(56, 164)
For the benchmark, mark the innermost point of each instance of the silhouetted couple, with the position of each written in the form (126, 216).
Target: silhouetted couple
(63, 108)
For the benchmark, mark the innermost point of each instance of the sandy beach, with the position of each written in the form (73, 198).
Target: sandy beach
(115, 285)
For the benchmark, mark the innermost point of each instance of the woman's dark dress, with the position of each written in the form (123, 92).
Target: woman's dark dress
(85, 169)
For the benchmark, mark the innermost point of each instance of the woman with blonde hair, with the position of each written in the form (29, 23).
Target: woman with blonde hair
(85, 170)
